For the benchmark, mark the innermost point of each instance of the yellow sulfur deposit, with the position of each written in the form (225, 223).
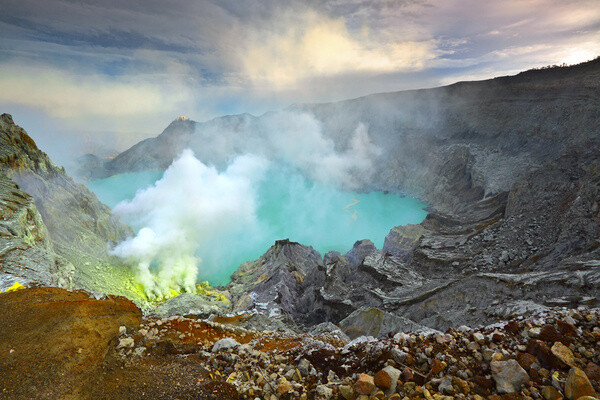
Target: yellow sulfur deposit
(14, 287)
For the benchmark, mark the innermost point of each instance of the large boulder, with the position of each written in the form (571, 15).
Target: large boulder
(272, 284)
(578, 385)
(188, 303)
(375, 322)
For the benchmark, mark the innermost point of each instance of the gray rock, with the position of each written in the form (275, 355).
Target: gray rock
(328, 329)
(446, 387)
(324, 392)
(374, 322)
(188, 303)
(509, 376)
(224, 344)
(304, 366)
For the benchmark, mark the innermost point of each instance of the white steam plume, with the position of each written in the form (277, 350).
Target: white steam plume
(296, 138)
(195, 210)
(192, 203)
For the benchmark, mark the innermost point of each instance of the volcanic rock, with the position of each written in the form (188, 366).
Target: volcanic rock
(563, 353)
(225, 344)
(387, 378)
(57, 337)
(374, 322)
(550, 393)
(578, 385)
(364, 384)
(509, 376)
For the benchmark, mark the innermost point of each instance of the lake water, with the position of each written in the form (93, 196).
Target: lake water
(288, 206)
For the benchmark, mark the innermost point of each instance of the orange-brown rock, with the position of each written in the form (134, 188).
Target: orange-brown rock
(387, 378)
(565, 328)
(52, 341)
(549, 334)
(592, 371)
(526, 360)
(563, 354)
(550, 393)
(461, 385)
(364, 384)
(578, 385)
(436, 366)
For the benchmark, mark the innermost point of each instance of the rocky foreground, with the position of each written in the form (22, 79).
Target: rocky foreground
(56, 344)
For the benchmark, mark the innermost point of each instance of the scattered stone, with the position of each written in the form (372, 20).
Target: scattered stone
(224, 344)
(566, 328)
(509, 376)
(550, 393)
(324, 392)
(542, 352)
(550, 334)
(534, 332)
(592, 371)
(479, 338)
(487, 354)
(461, 385)
(437, 366)
(284, 386)
(526, 360)
(387, 378)
(578, 385)
(304, 367)
(347, 392)
(126, 343)
(446, 387)
(364, 384)
(563, 353)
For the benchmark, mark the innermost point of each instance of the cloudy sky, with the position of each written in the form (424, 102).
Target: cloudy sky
(121, 70)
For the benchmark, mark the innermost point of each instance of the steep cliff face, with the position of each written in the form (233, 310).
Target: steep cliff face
(60, 224)
(154, 153)
(26, 253)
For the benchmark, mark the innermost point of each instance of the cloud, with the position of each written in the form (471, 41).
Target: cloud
(314, 46)
(206, 58)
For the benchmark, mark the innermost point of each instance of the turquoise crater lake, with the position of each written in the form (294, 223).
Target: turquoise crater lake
(287, 206)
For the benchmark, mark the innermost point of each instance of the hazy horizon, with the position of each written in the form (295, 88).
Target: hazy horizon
(85, 74)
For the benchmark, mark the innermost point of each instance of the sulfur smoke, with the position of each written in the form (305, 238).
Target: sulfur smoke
(195, 212)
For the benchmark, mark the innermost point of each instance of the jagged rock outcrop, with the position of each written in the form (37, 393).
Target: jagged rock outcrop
(520, 252)
(26, 253)
(271, 284)
(56, 231)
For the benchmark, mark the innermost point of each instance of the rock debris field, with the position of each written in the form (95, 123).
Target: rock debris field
(119, 355)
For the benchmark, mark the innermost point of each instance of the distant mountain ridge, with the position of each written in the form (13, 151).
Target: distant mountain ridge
(494, 131)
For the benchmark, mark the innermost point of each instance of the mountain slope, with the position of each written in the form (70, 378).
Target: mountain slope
(56, 230)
